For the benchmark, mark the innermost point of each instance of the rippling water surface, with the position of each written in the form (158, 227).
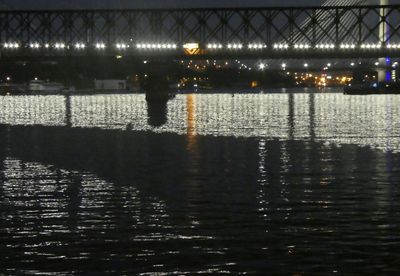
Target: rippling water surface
(212, 183)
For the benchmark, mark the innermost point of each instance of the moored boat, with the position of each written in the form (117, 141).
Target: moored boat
(39, 86)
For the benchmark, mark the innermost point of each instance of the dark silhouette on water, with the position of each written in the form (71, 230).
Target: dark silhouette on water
(129, 201)
(157, 112)
(82, 191)
(158, 94)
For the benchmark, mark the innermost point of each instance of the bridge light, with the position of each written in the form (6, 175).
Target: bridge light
(121, 46)
(393, 46)
(80, 46)
(283, 66)
(47, 45)
(148, 46)
(347, 46)
(235, 46)
(301, 46)
(34, 45)
(11, 45)
(305, 65)
(100, 46)
(256, 46)
(214, 46)
(325, 46)
(352, 64)
(370, 46)
(262, 66)
(329, 65)
(280, 46)
(59, 45)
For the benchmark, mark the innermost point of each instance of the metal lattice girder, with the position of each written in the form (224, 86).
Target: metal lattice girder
(290, 25)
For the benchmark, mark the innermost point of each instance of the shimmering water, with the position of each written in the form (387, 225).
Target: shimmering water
(269, 183)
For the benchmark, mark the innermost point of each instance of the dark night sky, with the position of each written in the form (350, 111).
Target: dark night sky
(101, 4)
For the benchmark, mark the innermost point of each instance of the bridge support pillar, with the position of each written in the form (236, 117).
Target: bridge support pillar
(156, 84)
(157, 80)
(383, 73)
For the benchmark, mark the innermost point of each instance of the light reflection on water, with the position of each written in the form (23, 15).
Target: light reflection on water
(284, 183)
(332, 117)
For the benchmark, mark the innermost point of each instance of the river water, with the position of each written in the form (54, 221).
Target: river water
(299, 183)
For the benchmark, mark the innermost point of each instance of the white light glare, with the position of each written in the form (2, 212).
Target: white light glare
(235, 46)
(155, 46)
(257, 46)
(325, 46)
(347, 46)
(214, 46)
(281, 46)
(11, 45)
(122, 46)
(301, 46)
(393, 46)
(100, 46)
(80, 46)
(370, 46)
(34, 45)
(59, 45)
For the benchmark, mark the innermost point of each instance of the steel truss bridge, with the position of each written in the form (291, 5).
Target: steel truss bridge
(327, 31)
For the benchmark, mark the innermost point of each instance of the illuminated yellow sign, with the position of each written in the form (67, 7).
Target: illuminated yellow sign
(192, 49)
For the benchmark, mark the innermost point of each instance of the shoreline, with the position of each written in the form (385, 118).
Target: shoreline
(89, 92)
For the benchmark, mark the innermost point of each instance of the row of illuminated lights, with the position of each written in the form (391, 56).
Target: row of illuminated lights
(303, 46)
(263, 66)
(122, 46)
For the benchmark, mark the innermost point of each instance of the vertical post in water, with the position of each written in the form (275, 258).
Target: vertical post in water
(383, 72)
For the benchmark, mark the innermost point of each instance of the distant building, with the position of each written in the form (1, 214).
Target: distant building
(114, 85)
